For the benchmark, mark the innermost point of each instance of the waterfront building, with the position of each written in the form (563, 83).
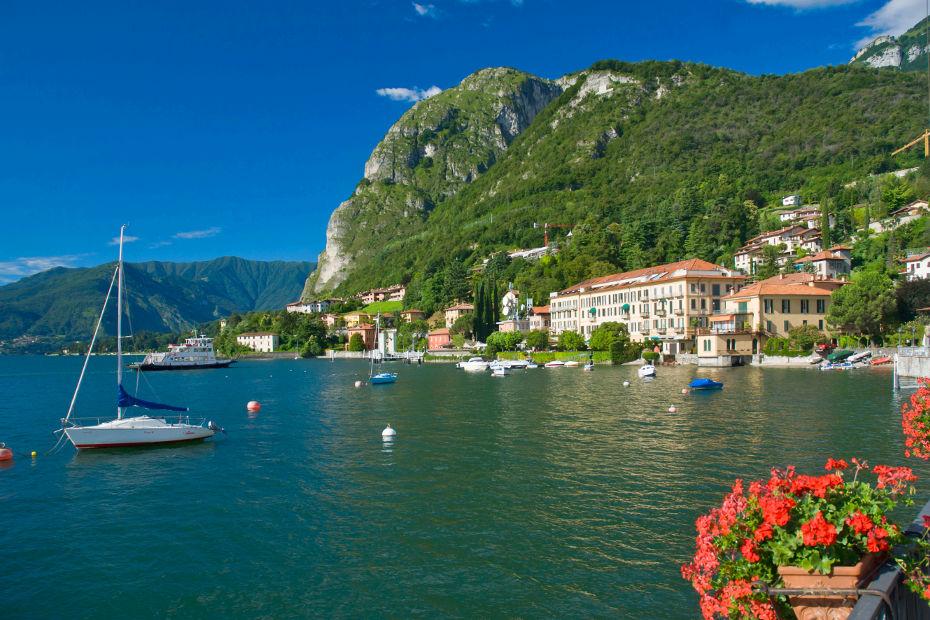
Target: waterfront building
(917, 266)
(264, 342)
(826, 264)
(759, 311)
(663, 305)
(439, 339)
(366, 331)
(539, 318)
(454, 312)
(331, 320)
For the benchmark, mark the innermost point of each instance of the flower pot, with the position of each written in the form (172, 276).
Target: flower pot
(828, 606)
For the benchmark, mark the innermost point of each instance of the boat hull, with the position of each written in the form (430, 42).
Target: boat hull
(152, 367)
(85, 438)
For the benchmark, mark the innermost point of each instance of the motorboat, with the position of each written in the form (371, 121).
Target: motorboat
(515, 364)
(705, 384)
(589, 366)
(475, 364)
(555, 364)
(572, 364)
(859, 357)
(646, 370)
(836, 366)
(128, 431)
(532, 365)
(839, 355)
(193, 354)
(879, 361)
(499, 371)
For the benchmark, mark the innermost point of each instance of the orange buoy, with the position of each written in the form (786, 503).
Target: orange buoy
(253, 405)
(5, 453)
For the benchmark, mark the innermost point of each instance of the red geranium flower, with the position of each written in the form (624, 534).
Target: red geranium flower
(836, 465)
(859, 522)
(818, 531)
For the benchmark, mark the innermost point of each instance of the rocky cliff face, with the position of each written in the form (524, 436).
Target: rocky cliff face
(437, 147)
(907, 52)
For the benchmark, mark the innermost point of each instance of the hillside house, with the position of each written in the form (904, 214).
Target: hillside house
(794, 200)
(439, 339)
(454, 312)
(263, 342)
(539, 318)
(310, 307)
(826, 264)
(366, 331)
(917, 266)
(395, 292)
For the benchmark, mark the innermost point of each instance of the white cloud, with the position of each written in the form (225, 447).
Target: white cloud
(126, 239)
(160, 244)
(199, 234)
(409, 94)
(426, 10)
(803, 4)
(895, 17)
(26, 266)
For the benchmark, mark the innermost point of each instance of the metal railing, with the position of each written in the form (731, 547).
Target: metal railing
(913, 351)
(168, 419)
(887, 596)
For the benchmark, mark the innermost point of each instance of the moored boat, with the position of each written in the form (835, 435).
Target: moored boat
(555, 364)
(646, 370)
(705, 384)
(572, 364)
(499, 371)
(839, 355)
(193, 354)
(474, 364)
(879, 361)
(128, 431)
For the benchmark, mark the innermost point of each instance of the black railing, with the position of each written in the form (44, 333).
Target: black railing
(892, 600)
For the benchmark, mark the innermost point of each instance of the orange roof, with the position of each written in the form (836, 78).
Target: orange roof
(916, 257)
(693, 264)
(773, 233)
(541, 310)
(825, 255)
(770, 288)
(440, 332)
(362, 327)
(840, 247)
(460, 307)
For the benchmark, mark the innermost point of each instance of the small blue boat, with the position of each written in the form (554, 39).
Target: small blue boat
(383, 377)
(705, 384)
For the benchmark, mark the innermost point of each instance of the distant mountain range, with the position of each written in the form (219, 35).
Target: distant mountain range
(63, 303)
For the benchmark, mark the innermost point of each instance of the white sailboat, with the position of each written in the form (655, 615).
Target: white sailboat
(381, 377)
(128, 431)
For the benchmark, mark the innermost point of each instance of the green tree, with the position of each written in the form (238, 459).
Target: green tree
(505, 341)
(770, 256)
(910, 296)
(606, 334)
(356, 342)
(464, 325)
(537, 340)
(864, 305)
(571, 341)
(804, 337)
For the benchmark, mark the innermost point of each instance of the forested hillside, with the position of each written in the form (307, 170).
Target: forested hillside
(651, 162)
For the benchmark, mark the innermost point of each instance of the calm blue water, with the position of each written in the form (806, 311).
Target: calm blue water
(550, 493)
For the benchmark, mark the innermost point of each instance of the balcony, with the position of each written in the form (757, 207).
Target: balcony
(660, 311)
(660, 330)
(679, 311)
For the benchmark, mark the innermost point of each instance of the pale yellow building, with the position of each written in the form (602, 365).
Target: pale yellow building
(264, 342)
(664, 305)
(765, 309)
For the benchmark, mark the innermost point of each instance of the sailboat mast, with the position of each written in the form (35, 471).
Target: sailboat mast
(119, 319)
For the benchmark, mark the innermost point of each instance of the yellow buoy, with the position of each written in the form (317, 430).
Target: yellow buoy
(34, 454)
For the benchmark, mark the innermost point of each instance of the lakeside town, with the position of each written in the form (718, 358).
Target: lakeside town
(774, 304)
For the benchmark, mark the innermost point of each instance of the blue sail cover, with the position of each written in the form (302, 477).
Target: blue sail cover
(123, 399)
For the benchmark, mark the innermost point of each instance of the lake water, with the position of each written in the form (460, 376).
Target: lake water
(548, 493)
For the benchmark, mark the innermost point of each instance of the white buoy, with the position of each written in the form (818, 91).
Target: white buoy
(672, 409)
(388, 432)
(626, 384)
(358, 384)
(684, 390)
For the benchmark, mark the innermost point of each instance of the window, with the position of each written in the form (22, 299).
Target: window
(786, 306)
(743, 307)
(715, 289)
(703, 304)
(821, 306)
(805, 307)
(820, 324)
(693, 303)
(787, 326)
(769, 306)
(706, 344)
(703, 288)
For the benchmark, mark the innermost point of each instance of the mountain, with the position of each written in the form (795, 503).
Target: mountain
(907, 52)
(647, 162)
(64, 303)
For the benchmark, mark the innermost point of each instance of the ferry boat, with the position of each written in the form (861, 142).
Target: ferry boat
(194, 353)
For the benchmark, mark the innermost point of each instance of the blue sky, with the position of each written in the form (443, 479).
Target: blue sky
(235, 128)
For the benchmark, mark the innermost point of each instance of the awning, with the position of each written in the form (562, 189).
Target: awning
(625, 307)
(721, 318)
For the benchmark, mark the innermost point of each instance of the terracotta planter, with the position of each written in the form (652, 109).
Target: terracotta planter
(825, 606)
